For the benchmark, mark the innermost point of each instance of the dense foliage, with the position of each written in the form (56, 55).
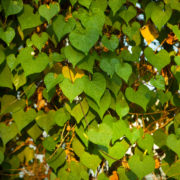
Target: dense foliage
(89, 89)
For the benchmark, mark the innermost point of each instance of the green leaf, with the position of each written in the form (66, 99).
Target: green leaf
(158, 82)
(73, 2)
(174, 4)
(49, 11)
(119, 129)
(19, 79)
(132, 31)
(133, 134)
(100, 135)
(12, 61)
(49, 143)
(61, 116)
(85, 3)
(163, 97)
(96, 87)
(173, 143)
(8, 132)
(2, 56)
(141, 167)
(123, 70)
(9, 103)
(117, 151)
(84, 39)
(73, 55)
(160, 16)
(91, 161)
(122, 107)
(141, 97)
(171, 171)
(108, 64)
(159, 60)
(128, 14)
(61, 27)
(12, 7)
(52, 79)
(57, 160)
(115, 5)
(5, 77)
(1, 157)
(46, 120)
(175, 30)
(111, 43)
(71, 90)
(34, 132)
(88, 62)
(22, 118)
(148, 9)
(146, 142)
(39, 40)
(99, 4)
(28, 19)
(79, 111)
(103, 105)
(8, 35)
(134, 56)
(160, 138)
(30, 63)
(177, 60)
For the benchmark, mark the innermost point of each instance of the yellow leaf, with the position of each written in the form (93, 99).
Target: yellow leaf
(149, 32)
(68, 73)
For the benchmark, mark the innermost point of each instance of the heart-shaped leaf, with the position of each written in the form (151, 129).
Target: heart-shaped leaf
(51, 80)
(173, 143)
(88, 62)
(141, 168)
(108, 64)
(12, 6)
(111, 43)
(160, 16)
(159, 60)
(96, 87)
(49, 11)
(79, 111)
(22, 118)
(128, 14)
(8, 132)
(61, 27)
(28, 19)
(19, 79)
(123, 70)
(133, 134)
(8, 35)
(115, 5)
(141, 97)
(158, 82)
(100, 135)
(103, 105)
(61, 116)
(146, 142)
(132, 31)
(84, 39)
(164, 97)
(5, 77)
(85, 3)
(73, 55)
(71, 90)
(30, 63)
(122, 107)
(117, 151)
(39, 40)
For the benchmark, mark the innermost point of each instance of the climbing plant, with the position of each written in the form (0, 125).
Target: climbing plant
(89, 89)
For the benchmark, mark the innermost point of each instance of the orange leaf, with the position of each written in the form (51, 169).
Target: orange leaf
(114, 176)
